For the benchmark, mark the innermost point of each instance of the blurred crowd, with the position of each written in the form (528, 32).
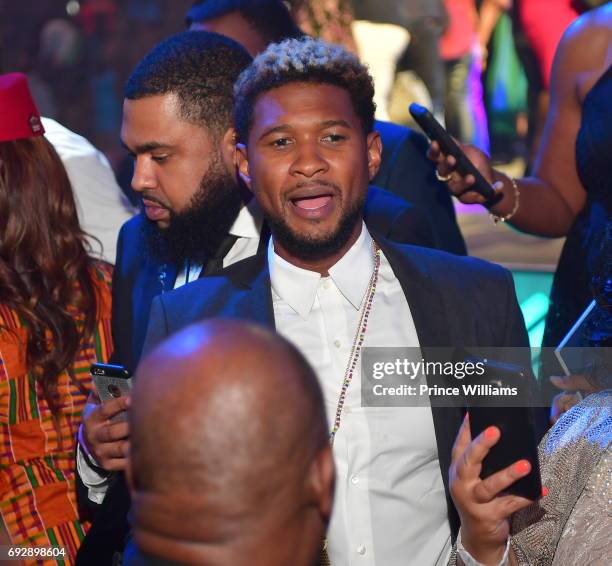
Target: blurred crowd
(481, 66)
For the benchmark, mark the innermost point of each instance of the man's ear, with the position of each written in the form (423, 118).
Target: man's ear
(227, 146)
(321, 482)
(242, 161)
(374, 147)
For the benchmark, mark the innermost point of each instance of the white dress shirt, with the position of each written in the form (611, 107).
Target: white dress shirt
(101, 205)
(247, 228)
(389, 506)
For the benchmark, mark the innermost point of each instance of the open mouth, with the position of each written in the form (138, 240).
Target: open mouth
(152, 203)
(154, 210)
(312, 197)
(311, 202)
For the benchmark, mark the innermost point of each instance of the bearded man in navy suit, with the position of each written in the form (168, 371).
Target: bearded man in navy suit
(326, 281)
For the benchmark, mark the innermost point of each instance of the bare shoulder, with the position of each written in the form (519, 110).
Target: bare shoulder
(599, 19)
(595, 25)
(585, 48)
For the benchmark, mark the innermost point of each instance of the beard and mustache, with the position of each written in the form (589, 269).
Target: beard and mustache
(196, 232)
(311, 248)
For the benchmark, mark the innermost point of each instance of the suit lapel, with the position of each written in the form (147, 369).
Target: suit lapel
(430, 320)
(252, 276)
(255, 303)
(153, 280)
(425, 301)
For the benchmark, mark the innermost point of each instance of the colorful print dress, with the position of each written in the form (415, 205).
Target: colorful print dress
(37, 458)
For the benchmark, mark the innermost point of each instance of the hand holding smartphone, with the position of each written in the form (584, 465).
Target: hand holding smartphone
(112, 382)
(435, 132)
(517, 425)
(484, 506)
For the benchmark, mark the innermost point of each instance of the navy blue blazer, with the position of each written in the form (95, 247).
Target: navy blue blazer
(454, 301)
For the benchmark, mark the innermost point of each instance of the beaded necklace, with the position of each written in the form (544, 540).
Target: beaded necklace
(357, 343)
(352, 364)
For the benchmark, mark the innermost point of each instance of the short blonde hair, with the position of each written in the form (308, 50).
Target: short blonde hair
(303, 60)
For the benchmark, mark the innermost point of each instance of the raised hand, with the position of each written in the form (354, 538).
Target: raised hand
(483, 510)
(458, 184)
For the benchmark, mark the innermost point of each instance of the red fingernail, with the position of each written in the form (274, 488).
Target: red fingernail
(522, 467)
(544, 491)
(491, 433)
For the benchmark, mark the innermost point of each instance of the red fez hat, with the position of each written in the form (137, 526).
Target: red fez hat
(19, 117)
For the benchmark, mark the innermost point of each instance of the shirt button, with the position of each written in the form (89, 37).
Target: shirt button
(354, 480)
(337, 343)
(361, 549)
(326, 285)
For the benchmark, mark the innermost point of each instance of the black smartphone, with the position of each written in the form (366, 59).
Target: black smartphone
(517, 424)
(112, 382)
(435, 132)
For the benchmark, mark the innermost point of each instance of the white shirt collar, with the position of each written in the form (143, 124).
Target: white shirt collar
(351, 274)
(248, 222)
(246, 227)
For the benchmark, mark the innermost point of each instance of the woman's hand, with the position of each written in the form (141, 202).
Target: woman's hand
(574, 387)
(458, 184)
(483, 511)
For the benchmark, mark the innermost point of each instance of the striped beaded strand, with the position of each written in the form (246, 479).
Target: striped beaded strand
(357, 343)
(350, 368)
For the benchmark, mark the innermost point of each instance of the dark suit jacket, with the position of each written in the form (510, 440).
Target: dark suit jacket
(133, 556)
(136, 282)
(406, 172)
(454, 301)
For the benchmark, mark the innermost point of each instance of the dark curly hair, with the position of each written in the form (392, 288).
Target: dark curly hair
(305, 60)
(200, 68)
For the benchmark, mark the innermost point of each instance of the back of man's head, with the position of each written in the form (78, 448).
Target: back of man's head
(254, 23)
(200, 69)
(230, 459)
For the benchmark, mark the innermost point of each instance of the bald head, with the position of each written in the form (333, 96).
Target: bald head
(227, 422)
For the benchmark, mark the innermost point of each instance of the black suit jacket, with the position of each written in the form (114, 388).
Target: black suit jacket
(406, 172)
(454, 301)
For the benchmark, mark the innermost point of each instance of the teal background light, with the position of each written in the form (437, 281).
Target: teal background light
(532, 290)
